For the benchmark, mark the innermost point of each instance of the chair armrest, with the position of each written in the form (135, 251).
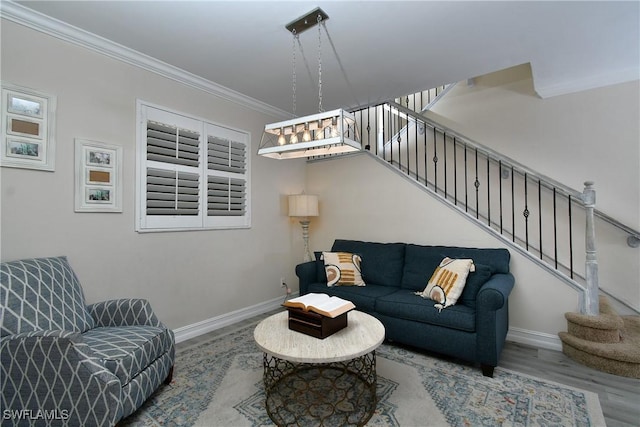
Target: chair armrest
(307, 273)
(494, 293)
(124, 312)
(55, 371)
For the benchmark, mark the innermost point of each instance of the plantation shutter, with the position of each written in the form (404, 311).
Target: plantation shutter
(227, 188)
(171, 191)
(226, 192)
(191, 174)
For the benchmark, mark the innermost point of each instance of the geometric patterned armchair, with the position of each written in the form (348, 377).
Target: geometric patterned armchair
(66, 363)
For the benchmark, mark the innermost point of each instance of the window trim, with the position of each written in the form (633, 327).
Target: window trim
(148, 223)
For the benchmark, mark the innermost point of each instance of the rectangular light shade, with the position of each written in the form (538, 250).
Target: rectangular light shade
(303, 205)
(331, 132)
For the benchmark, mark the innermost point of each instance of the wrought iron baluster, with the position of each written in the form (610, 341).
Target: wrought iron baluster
(399, 137)
(415, 125)
(555, 229)
(488, 192)
(525, 213)
(361, 122)
(435, 160)
(513, 207)
(570, 239)
(444, 153)
(390, 139)
(477, 185)
(455, 172)
(375, 120)
(540, 214)
(407, 144)
(466, 181)
(416, 144)
(426, 143)
(500, 191)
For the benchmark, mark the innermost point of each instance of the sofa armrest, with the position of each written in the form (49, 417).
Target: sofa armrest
(124, 312)
(492, 320)
(494, 293)
(307, 274)
(56, 373)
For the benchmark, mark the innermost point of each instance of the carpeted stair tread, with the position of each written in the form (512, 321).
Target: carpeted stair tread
(607, 342)
(607, 319)
(621, 358)
(624, 351)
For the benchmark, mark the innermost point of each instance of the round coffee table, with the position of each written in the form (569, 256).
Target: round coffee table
(311, 381)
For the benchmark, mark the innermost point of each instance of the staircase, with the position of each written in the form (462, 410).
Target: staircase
(606, 342)
(536, 215)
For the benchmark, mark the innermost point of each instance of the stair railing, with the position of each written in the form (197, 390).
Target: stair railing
(539, 216)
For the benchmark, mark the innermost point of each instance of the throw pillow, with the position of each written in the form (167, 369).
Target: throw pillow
(343, 269)
(447, 282)
(475, 281)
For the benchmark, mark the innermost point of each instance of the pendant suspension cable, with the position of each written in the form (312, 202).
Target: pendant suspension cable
(320, 110)
(295, 39)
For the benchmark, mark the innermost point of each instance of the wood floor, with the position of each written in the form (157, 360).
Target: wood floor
(619, 396)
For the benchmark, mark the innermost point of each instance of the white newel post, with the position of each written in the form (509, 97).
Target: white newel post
(591, 302)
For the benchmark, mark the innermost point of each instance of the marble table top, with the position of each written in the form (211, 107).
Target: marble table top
(363, 334)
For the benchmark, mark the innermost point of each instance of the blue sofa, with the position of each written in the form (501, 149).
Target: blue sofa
(474, 329)
(66, 363)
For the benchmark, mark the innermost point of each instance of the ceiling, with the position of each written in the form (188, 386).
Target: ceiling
(384, 48)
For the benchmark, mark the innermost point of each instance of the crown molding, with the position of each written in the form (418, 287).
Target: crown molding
(55, 28)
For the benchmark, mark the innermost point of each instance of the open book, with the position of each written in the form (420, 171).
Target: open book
(321, 303)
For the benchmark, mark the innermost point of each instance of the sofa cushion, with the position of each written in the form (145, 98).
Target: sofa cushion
(364, 297)
(382, 263)
(404, 304)
(342, 269)
(475, 280)
(321, 274)
(447, 282)
(421, 262)
(128, 350)
(42, 294)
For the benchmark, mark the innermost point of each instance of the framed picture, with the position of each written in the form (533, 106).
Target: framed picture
(98, 177)
(28, 128)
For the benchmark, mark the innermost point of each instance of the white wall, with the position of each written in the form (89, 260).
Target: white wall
(187, 276)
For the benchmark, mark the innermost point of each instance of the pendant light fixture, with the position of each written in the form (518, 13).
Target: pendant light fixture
(328, 132)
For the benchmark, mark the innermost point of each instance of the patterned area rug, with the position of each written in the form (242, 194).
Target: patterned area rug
(219, 383)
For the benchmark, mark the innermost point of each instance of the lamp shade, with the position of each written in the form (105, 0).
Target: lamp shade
(303, 205)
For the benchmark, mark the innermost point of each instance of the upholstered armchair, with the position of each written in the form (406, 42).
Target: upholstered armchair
(66, 363)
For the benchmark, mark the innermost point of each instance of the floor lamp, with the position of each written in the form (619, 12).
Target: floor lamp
(304, 206)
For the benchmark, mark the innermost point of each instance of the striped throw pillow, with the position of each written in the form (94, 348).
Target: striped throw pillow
(447, 282)
(343, 269)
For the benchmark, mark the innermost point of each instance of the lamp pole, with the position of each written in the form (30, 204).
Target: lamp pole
(304, 222)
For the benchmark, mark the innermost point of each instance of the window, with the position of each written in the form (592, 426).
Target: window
(191, 174)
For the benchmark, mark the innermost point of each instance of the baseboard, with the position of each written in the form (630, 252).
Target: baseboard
(191, 331)
(535, 339)
(518, 335)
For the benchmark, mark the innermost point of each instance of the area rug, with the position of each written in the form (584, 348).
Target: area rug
(219, 383)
